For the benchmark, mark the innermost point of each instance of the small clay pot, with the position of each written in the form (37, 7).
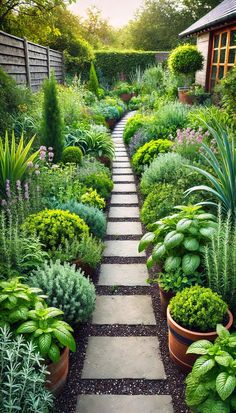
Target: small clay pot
(165, 298)
(184, 97)
(58, 372)
(180, 339)
(126, 96)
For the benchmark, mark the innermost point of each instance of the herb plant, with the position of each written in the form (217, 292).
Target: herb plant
(92, 198)
(176, 282)
(148, 152)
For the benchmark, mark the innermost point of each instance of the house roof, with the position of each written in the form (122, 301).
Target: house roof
(224, 12)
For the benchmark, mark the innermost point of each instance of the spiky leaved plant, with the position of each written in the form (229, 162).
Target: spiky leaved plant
(220, 260)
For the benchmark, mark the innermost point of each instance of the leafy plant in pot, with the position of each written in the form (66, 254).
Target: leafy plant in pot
(192, 315)
(125, 91)
(185, 60)
(25, 312)
(173, 282)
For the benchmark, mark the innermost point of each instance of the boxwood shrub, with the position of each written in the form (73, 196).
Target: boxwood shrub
(150, 150)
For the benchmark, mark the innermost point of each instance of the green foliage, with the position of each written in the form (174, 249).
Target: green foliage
(99, 181)
(67, 289)
(87, 250)
(93, 217)
(95, 142)
(54, 227)
(175, 281)
(185, 60)
(167, 168)
(93, 84)
(223, 163)
(72, 154)
(202, 116)
(92, 198)
(23, 376)
(179, 239)
(132, 125)
(16, 301)
(220, 261)
(197, 308)
(152, 79)
(14, 161)
(52, 123)
(47, 332)
(112, 63)
(211, 384)
(91, 165)
(148, 152)
(78, 54)
(161, 200)
(14, 100)
(227, 90)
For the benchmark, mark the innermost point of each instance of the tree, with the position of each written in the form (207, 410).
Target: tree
(199, 8)
(7, 7)
(52, 123)
(96, 30)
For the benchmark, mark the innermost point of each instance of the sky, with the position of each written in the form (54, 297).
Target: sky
(119, 12)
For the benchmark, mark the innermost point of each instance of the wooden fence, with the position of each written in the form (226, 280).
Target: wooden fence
(29, 63)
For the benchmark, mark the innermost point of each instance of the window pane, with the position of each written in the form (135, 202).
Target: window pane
(229, 68)
(233, 38)
(222, 56)
(232, 53)
(213, 72)
(216, 41)
(212, 84)
(221, 72)
(215, 56)
(224, 39)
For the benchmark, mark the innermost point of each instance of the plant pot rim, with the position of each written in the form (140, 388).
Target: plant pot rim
(183, 88)
(197, 334)
(170, 292)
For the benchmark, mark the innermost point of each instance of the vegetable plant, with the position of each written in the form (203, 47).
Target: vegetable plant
(179, 239)
(198, 308)
(48, 332)
(211, 384)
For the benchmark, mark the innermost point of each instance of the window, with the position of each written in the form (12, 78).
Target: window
(223, 54)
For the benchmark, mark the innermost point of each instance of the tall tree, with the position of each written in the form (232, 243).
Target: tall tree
(199, 8)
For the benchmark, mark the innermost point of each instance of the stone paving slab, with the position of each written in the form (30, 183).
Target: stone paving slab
(121, 164)
(122, 249)
(123, 310)
(108, 403)
(124, 199)
(117, 139)
(123, 358)
(121, 171)
(123, 274)
(123, 212)
(124, 228)
(124, 188)
(123, 178)
(121, 158)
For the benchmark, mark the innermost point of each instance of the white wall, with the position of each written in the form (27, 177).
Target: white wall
(203, 46)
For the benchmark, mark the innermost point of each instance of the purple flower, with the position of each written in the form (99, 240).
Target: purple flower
(50, 149)
(50, 156)
(8, 188)
(43, 148)
(26, 194)
(18, 185)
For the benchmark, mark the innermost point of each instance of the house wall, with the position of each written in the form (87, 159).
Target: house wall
(203, 42)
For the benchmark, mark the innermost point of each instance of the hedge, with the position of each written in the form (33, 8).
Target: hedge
(111, 64)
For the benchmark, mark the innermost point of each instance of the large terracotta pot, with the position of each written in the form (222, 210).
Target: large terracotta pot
(111, 123)
(165, 298)
(58, 373)
(126, 96)
(181, 338)
(184, 97)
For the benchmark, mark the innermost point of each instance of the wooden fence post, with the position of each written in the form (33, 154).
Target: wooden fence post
(48, 61)
(27, 66)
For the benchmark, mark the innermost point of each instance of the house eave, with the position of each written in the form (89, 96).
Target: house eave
(217, 24)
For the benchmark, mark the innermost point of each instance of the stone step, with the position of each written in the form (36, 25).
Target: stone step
(118, 248)
(124, 309)
(123, 212)
(124, 199)
(121, 158)
(124, 188)
(123, 358)
(121, 164)
(122, 171)
(124, 228)
(123, 178)
(107, 403)
(123, 275)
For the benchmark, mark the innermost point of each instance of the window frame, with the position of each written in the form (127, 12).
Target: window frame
(226, 65)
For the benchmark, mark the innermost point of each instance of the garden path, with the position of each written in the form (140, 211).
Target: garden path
(123, 357)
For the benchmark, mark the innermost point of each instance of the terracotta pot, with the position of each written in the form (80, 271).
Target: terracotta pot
(126, 96)
(165, 298)
(184, 97)
(181, 338)
(58, 372)
(111, 123)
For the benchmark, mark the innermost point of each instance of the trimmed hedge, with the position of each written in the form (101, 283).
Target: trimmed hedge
(110, 64)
